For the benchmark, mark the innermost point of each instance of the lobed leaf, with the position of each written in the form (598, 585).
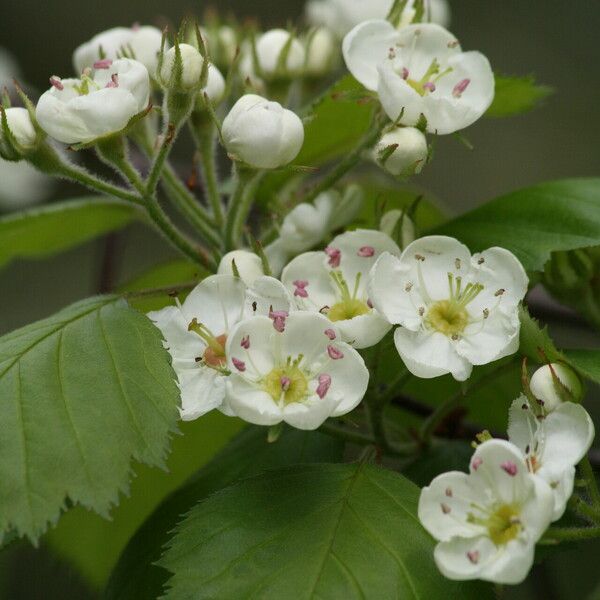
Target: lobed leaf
(81, 393)
(517, 95)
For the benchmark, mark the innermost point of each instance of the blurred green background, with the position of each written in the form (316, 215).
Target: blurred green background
(555, 40)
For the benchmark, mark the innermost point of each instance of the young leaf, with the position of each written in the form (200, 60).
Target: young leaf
(43, 231)
(81, 394)
(534, 222)
(517, 95)
(587, 362)
(137, 575)
(320, 531)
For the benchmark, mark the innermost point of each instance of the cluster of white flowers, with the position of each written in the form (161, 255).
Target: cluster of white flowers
(488, 522)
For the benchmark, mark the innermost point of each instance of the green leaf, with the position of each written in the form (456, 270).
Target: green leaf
(320, 531)
(535, 338)
(93, 544)
(587, 362)
(42, 232)
(442, 456)
(81, 393)
(517, 95)
(534, 222)
(170, 273)
(136, 575)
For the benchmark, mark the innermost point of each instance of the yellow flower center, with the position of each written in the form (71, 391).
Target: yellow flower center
(348, 309)
(287, 383)
(447, 317)
(504, 525)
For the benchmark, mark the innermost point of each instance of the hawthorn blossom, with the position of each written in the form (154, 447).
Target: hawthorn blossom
(248, 265)
(322, 52)
(342, 15)
(287, 368)
(196, 332)
(99, 104)
(261, 133)
(140, 43)
(554, 384)
(551, 443)
(456, 310)
(306, 225)
(487, 522)
(334, 283)
(420, 71)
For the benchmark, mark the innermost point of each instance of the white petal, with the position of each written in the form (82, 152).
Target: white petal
(277, 256)
(251, 403)
(428, 354)
(311, 414)
(522, 423)
(266, 294)
(366, 47)
(349, 380)
(202, 390)
(445, 113)
(310, 267)
(248, 264)
(444, 506)
(305, 334)
(133, 77)
(365, 330)
(397, 97)
(217, 302)
(537, 510)
(182, 344)
(561, 482)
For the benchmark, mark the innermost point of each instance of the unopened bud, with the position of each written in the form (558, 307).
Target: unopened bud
(248, 265)
(279, 54)
(321, 52)
(20, 126)
(402, 151)
(185, 73)
(554, 384)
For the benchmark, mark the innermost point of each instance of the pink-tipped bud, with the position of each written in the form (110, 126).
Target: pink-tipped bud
(57, 83)
(330, 333)
(300, 290)
(245, 343)
(460, 87)
(366, 251)
(429, 86)
(509, 467)
(335, 256)
(477, 462)
(285, 383)
(405, 73)
(240, 365)
(324, 385)
(334, 353)
(114, 81)
(105, 63)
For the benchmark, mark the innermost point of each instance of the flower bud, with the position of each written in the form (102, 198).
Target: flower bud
(215, 85)
(346, 206)
(261, 133)
(554, 384)
(389, 224)
(183, 73)
(20, 127)
(247, 264)
(321, 52)
(402, 151)
(279, 54)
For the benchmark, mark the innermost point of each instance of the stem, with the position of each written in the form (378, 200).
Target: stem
(167, 290)
(592, 485)
(204, 136)
(347, 163)
(160, 159)
(567, 534)
(443, 410)
(583, 509)
(240, 205)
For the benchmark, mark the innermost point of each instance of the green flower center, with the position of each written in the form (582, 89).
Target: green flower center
(287, 384)
(504, 525)
(447, 317)
(348, 309)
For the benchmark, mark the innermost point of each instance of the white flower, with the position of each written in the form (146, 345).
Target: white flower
(420, 70)
(141, 43)
(248, 264)
(307, 225)
(488, 521)
(552, 444)
(334, 283)
(22, 185)
(261, 133)
(278, 55)
(196, 332)
(83, 110)
(20, 126)
(410, 153)
(342, 15)
(191, 67)
(215, 85)
(321, 52)
(544, 387)
(389, 222)
(288, 368)
(456, 311)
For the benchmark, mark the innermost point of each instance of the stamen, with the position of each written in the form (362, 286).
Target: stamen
(279, 317)
(457, 263)
(57, 83)
(429, 86)
(477, 462)
(105, 63)
(334, 353)
(366, 251)
(240, 365)
(500, 292)
(473, 556)
(300, 290)
(330, 333)
(114, 81)
(324, 385)
(421, 311)
(509, 467)
(448, 492)
(408, 287)
(285, 383)
(480, 261)
(245, 343)
(335, 256)
(405, 73)
(460, 87)
(486, 313)
(445, 508)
